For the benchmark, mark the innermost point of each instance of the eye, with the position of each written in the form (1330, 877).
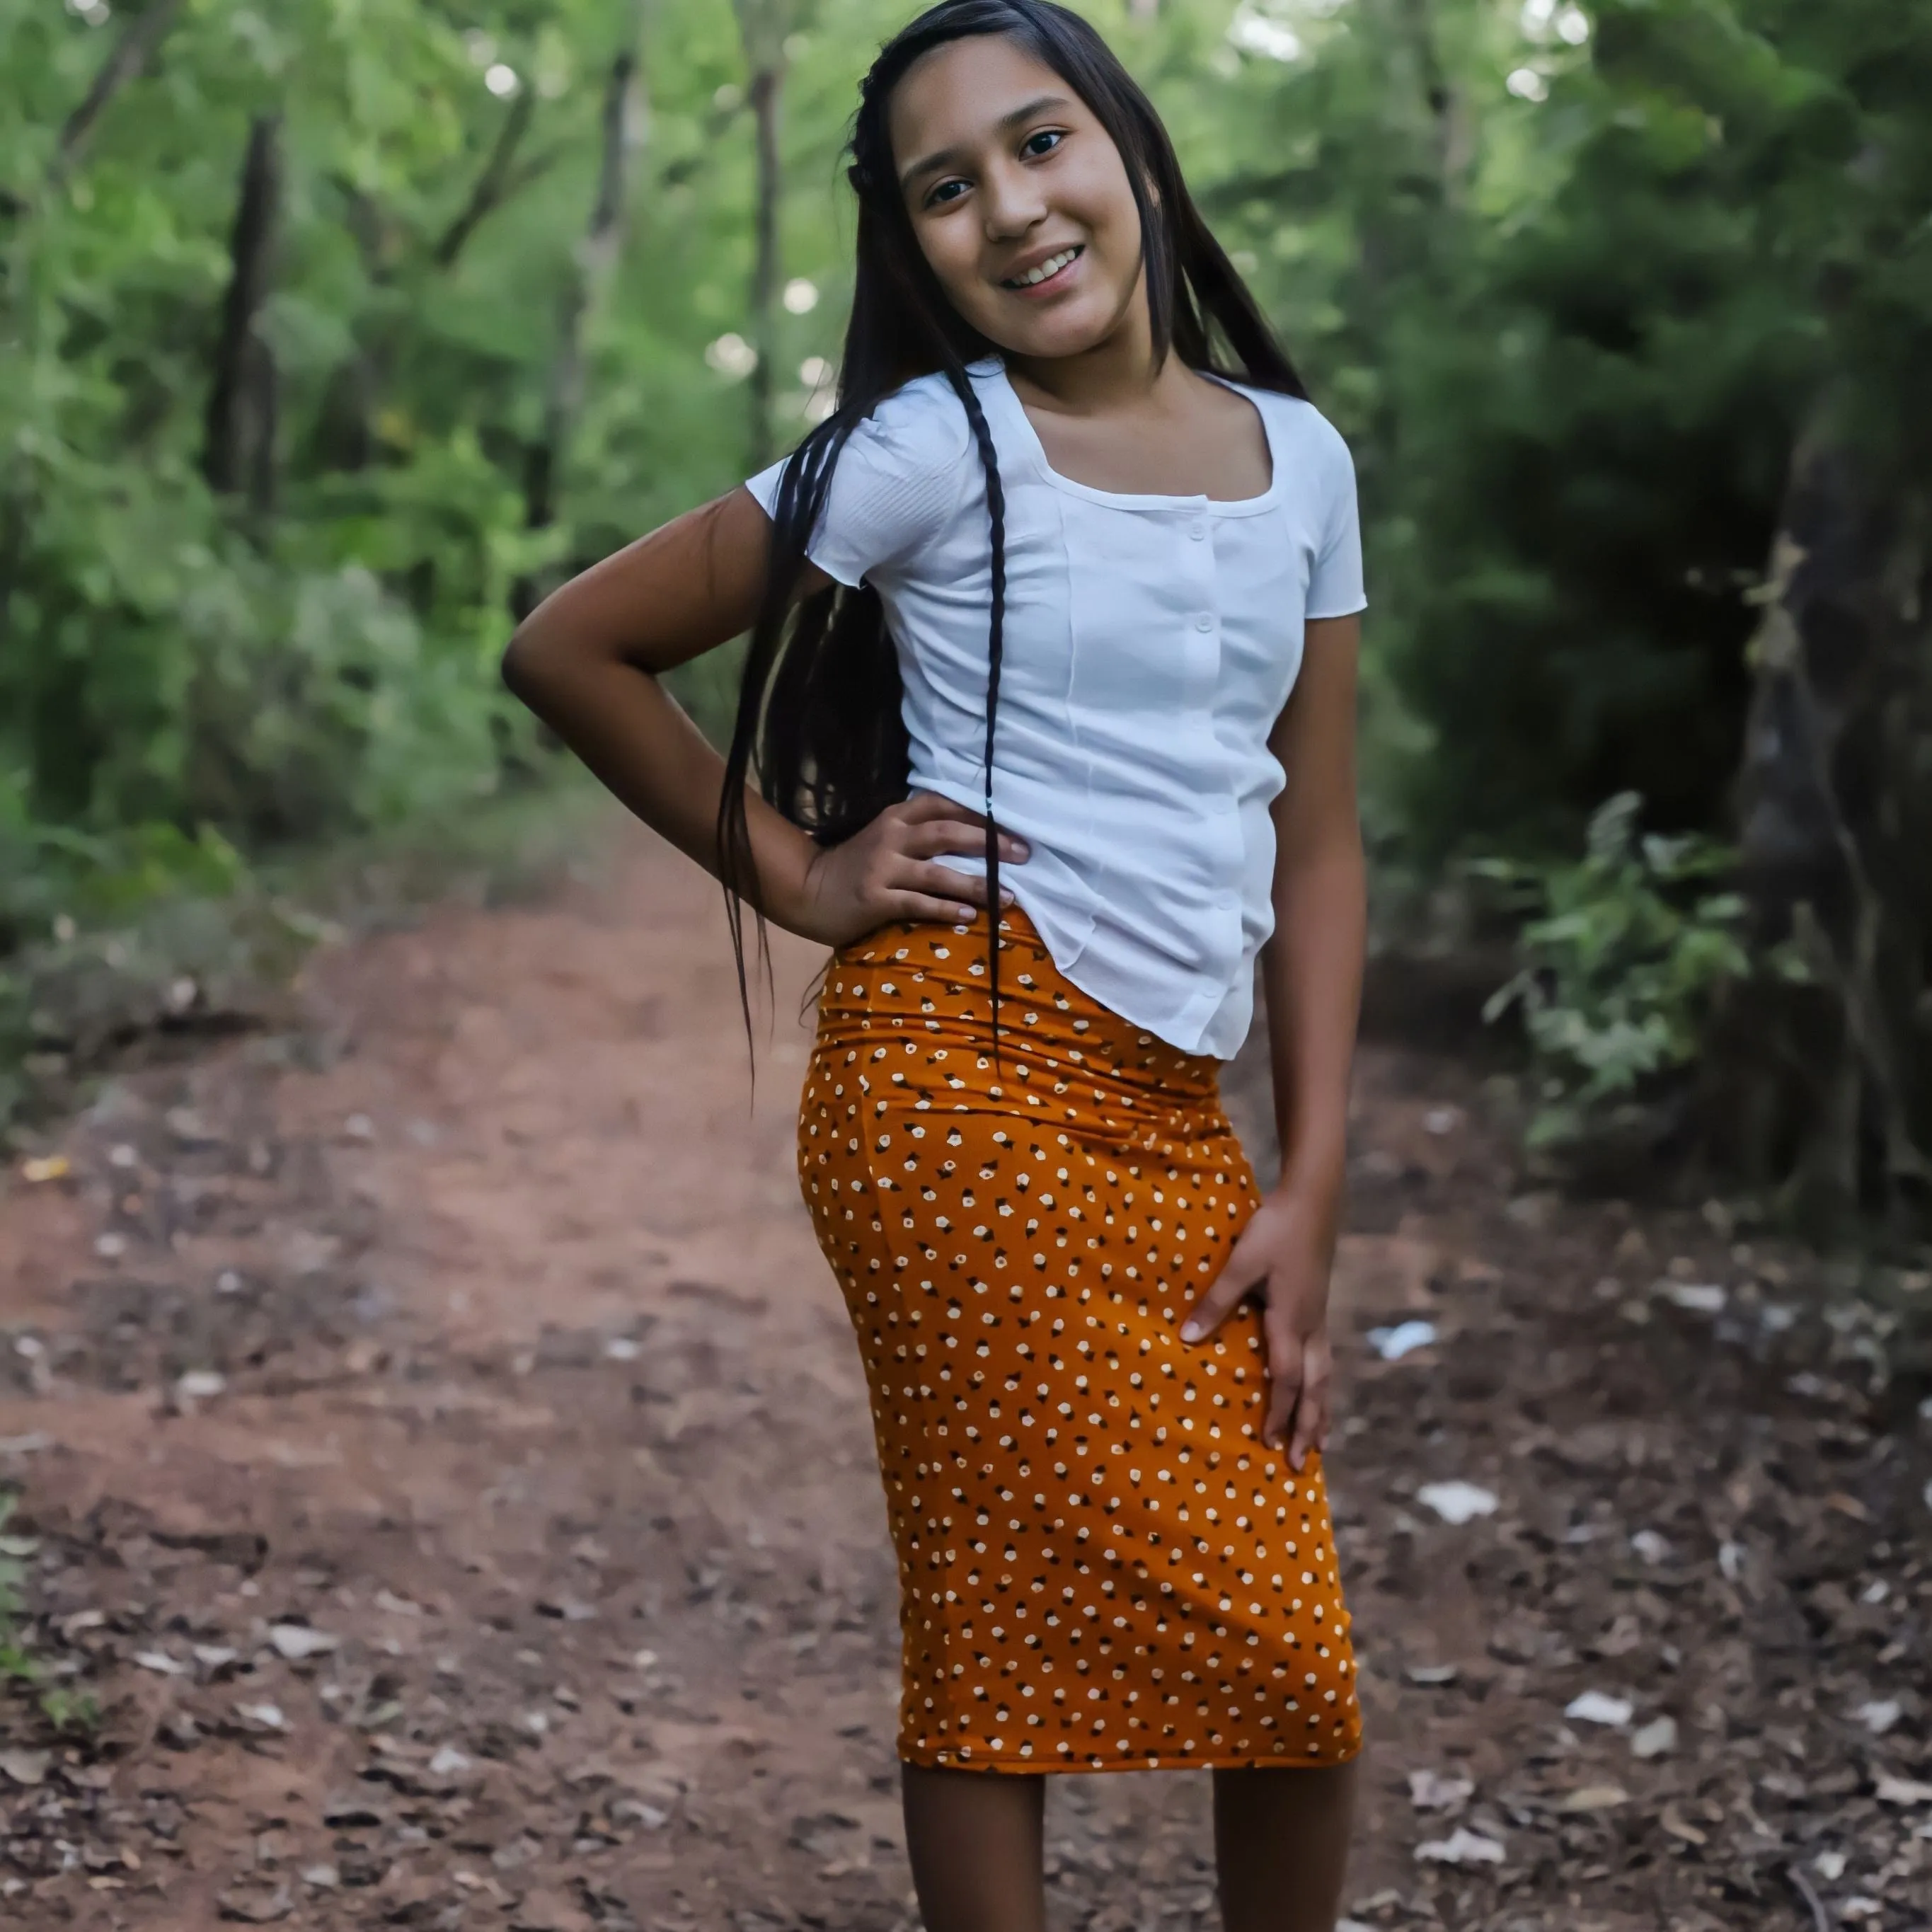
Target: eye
(946, 191)
(1043, 143)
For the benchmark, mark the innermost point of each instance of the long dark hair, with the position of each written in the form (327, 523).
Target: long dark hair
(819, 720)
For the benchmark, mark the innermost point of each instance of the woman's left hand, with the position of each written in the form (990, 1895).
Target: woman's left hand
(1285, 1252)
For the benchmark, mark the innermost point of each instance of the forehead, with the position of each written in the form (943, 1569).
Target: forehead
(957, 95)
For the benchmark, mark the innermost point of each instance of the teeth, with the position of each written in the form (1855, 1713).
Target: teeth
(1051, 265)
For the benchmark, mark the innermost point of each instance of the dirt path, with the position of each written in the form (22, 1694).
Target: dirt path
(449, 1476)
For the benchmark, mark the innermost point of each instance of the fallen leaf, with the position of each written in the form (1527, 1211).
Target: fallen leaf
(546, 1911)
(25, 1767)
(1848, 1506)
(298, 1642)
(1457, 1502)
(160, 1663)
(1462, 1847)
(1430, 1791)
(1595, 1798)
(1679, 1827)
(1902, 1790)
(1405, 1338)
(1598, 1707)
(255, 1908)
(50, 1167)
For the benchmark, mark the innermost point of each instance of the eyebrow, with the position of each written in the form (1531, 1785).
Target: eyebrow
(946, 158)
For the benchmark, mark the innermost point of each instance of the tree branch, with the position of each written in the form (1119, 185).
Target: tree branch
(493, 186)
(131, 52)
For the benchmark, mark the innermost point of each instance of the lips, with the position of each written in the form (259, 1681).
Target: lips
(1036, 274)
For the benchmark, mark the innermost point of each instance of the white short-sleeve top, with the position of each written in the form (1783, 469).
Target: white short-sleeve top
(1151, 643)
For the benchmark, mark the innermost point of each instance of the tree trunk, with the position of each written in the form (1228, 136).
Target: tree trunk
(239, 451)
(624, 108)
(762, 94)
(1825, 1093)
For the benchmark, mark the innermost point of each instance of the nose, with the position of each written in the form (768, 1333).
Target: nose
(1011, 202)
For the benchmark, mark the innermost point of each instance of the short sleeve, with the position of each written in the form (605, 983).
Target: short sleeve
(1335, 588)
(895, 487)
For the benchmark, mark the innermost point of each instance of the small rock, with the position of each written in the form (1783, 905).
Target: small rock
(160, 1663)
(1879, 1715)
(448, 1762)
(268, 1717)
(1457, 1502)
(1432, 1675)
(324, 1878)
(1830, 1866)
(199, 1385)
(1462, 1847)
(110, 1247)
(1651, 1546)
(1700, 1297)
(1657, 1739)
(1440, 1120)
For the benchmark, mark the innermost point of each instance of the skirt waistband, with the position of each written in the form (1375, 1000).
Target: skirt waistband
(927, 985)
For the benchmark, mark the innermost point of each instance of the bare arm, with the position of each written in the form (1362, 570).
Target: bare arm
(1311, 981)
(589, 661)
(1312, 968)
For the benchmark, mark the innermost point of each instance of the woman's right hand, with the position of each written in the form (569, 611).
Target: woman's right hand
(890, 872)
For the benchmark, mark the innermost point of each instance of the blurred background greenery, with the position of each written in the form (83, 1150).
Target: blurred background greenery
(332, 332)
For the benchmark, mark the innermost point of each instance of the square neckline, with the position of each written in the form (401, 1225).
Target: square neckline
(1008, 400)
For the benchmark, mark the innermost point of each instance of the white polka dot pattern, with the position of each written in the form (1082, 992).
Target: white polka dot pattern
(1101, 1565)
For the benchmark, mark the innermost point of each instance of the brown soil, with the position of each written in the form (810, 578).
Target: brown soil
(526, 1566)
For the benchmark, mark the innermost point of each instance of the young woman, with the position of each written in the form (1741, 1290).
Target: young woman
(1050, 705)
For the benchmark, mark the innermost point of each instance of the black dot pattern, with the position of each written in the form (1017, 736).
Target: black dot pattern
(1101, 1565)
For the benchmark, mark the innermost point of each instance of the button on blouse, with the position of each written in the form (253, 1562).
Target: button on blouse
(1151, 643)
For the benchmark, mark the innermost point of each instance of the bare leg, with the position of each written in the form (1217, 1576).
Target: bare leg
(1281, 1842)
(974, 1839)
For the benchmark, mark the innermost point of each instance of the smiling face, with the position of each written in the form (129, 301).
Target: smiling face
(1019, 198)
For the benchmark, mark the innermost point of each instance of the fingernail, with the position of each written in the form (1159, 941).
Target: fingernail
(1018, 849)
(1190, 1331)
(966, 913)
(1006, 895)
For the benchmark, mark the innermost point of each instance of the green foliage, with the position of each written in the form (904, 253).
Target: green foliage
(1624, 952)
(15, 1663)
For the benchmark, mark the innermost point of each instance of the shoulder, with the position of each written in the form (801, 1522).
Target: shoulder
(920, 428)
(1307, 433)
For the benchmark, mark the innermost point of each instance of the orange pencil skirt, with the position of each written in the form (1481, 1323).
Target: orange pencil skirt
(1101, 1566)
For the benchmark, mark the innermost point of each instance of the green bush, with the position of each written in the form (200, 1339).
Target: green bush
(1623, 952)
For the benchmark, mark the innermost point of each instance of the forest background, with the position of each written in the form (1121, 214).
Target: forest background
(332, 333)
